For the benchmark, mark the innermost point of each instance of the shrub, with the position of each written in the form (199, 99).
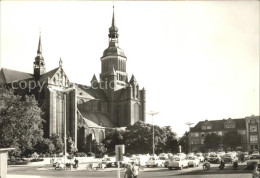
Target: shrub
(90, 154)
(80, 154)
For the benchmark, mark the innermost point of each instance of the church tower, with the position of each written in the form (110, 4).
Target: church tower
(113, 60)
(39, 65)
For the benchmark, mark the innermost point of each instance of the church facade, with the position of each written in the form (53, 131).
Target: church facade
(83, 112)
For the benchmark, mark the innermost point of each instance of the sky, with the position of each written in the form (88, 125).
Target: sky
(197, 59)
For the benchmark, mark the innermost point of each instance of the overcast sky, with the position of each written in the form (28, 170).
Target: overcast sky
(197, 60)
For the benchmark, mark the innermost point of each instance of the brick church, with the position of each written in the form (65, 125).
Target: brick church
(110, 102)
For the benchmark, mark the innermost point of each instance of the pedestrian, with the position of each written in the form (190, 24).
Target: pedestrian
(242, 156)
(135, 169)
(76, 162)
(128, 172)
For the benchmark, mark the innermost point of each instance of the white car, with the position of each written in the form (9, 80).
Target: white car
(109, 161)
(182, 155)
(193, 161)
(178, 163)
(200, 157)
(190, 154)
(154, 162)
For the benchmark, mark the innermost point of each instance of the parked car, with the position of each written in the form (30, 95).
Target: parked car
(205, 155)
(166, 163)
(229, 158)
(123, 163)
(190, 154)
(221, 153)
(135, 160)
(109, 161)
(252, 161)
(214, 158)
(256, 172)
(246, 156)
(182, 155)
(200, 157)
(163, 155)
(193, 161)
(154, 162)
(255, 153)
(178, 162)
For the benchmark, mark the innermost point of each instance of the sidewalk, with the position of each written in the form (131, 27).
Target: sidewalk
(22, 176)
(82, 167)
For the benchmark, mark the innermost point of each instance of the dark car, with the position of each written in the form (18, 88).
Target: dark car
(213, 158)
(229, 158)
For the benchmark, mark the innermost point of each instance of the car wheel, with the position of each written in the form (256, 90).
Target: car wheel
(170, 168)
(165, 166)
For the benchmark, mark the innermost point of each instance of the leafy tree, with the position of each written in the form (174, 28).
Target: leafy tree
(232, 139)
(57, 142)
(113, 137)
(71, 149)
(212, 141)
(184, 141)
(20, 121)
(98, 148)
(142, 134)
(139, 134)
(172, 144)
(44, 146)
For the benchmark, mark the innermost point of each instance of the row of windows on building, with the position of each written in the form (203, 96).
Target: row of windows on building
(219, 133)
(252, 139)
(227, 126)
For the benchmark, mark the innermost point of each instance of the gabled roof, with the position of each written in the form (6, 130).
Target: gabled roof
(219, 125)
(93, 93)
(48, 75)
(91, 124)
(94, 119)
(8, 75)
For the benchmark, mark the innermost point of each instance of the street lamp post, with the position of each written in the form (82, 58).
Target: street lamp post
(189, 124)
(66, 91)
(152, 114)
(65, 130)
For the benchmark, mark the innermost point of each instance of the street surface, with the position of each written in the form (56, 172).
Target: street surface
(198, 172)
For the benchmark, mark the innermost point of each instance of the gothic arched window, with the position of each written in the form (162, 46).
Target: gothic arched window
(93, 134)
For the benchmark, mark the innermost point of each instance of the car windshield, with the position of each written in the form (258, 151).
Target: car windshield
(152, 159)
(191, 158)
(213, 155)
(175, 159)
(255, 157)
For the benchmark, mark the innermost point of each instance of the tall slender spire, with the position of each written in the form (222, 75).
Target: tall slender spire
(113, 18)
(39, 51)
(39, 65)
(60, 62)
(113, 29)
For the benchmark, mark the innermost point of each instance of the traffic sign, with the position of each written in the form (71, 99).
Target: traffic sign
(119, 150)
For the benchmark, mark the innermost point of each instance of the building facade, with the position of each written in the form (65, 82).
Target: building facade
(247, 127)
(83, 112)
